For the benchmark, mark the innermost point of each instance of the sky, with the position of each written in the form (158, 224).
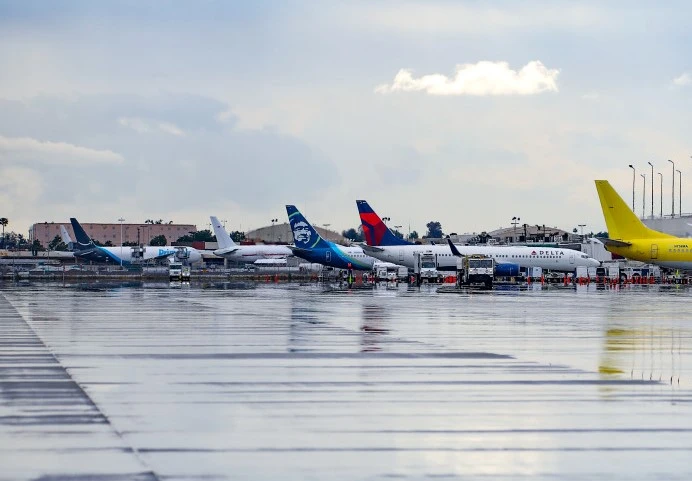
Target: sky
(466, 113)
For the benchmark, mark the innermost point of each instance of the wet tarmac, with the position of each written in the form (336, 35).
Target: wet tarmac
(289, 381)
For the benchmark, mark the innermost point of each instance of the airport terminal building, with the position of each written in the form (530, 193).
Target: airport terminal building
(45, 232)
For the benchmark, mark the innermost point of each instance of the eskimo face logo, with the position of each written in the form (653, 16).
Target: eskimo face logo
(301, 232)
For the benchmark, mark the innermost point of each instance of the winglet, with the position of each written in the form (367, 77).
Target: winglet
(454, 249)
(376, 232)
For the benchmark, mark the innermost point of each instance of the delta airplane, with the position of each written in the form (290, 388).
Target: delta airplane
(630, 238)
(384, 245)
(85, 248)
(309, 245)
(248, 254)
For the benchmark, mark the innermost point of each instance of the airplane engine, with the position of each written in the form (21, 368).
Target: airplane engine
(506, 270)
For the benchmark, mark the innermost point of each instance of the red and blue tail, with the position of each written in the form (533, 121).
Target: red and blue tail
(376, 232)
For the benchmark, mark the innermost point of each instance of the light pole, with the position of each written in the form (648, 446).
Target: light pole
(581, 228)
(515, 222)
(672, 194)
(274, 221)
(679, 192)
(121, 220)
(652, 189)
(325, 230)
(634, 176)
(386, 219)
(661, 176)
(643, 176)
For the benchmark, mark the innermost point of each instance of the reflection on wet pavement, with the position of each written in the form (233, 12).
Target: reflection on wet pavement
(300, 382)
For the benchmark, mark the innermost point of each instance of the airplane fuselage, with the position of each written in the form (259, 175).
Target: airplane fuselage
(670, 252)
(251, 253)
(125, 254)
(552, 258)
(340, 257)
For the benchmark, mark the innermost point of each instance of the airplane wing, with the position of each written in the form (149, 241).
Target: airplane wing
(367, 248)
(226, 251)
(615, 243)
(455, 251)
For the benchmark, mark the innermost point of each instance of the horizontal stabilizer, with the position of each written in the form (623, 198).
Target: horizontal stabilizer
(615, 243)
(368, 248)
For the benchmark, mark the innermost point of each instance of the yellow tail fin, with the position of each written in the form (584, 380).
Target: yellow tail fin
(622, 223)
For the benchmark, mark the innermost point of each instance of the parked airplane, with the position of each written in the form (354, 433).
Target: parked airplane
(630, 238)
(240, 253)
(85, 248)
(384, 245)
(309, 245)
(67, 240)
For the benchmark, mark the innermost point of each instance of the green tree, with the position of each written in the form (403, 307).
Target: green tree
(237, 236)
(3, 223)
(434, 229)
(413, 235)
(353, 234)
(129, 243)
(35, 247)
(159, 240)
(57, 244)
(398, 234)
(108, 243)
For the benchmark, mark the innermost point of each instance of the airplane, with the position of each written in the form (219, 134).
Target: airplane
(248, 254)
(309, 245)
(384, 245)
(67, 240)
(630, 238)
(84, 248)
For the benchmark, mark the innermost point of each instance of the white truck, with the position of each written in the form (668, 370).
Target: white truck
(476, 270)
(178, 272)
(425, 268)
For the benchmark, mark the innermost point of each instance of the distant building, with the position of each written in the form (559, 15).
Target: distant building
(281, 234)
(45, 232)
(677, 226)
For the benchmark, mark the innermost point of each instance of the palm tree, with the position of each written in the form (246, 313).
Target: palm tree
(3, 222)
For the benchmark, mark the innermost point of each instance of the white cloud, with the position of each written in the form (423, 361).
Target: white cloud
(56, 153)
(138, 125)
(482, 78)
(143, 126)
(591, 96)
(171, 129)
(682, 80)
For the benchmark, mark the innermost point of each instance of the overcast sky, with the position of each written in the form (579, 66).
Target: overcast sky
(467, 113)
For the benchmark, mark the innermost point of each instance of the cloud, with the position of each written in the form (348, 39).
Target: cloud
(482, 78)
(148, 126)
(682, 80)
(56, 153)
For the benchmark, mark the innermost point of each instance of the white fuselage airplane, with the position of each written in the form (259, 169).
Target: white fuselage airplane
(242, 253)
(123, 255)
(550, 258)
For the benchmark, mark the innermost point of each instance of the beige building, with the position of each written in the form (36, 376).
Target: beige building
(281, 234)
(45, 232)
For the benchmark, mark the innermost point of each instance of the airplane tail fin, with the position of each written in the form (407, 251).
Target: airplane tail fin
(221, 234)
(376, 232)
(66, 237)
(83, 240)
(621, 222)
(304, 235)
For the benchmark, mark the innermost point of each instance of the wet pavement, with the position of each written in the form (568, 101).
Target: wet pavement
(245, 381)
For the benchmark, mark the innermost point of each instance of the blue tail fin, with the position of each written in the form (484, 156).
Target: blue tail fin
(376, 232)
(304, 235)
(82, 239)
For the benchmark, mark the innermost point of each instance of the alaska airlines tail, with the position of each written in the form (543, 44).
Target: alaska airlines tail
(621, 222)
(375, 231)
(222, 236)
(83, 240)
(304, 235)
